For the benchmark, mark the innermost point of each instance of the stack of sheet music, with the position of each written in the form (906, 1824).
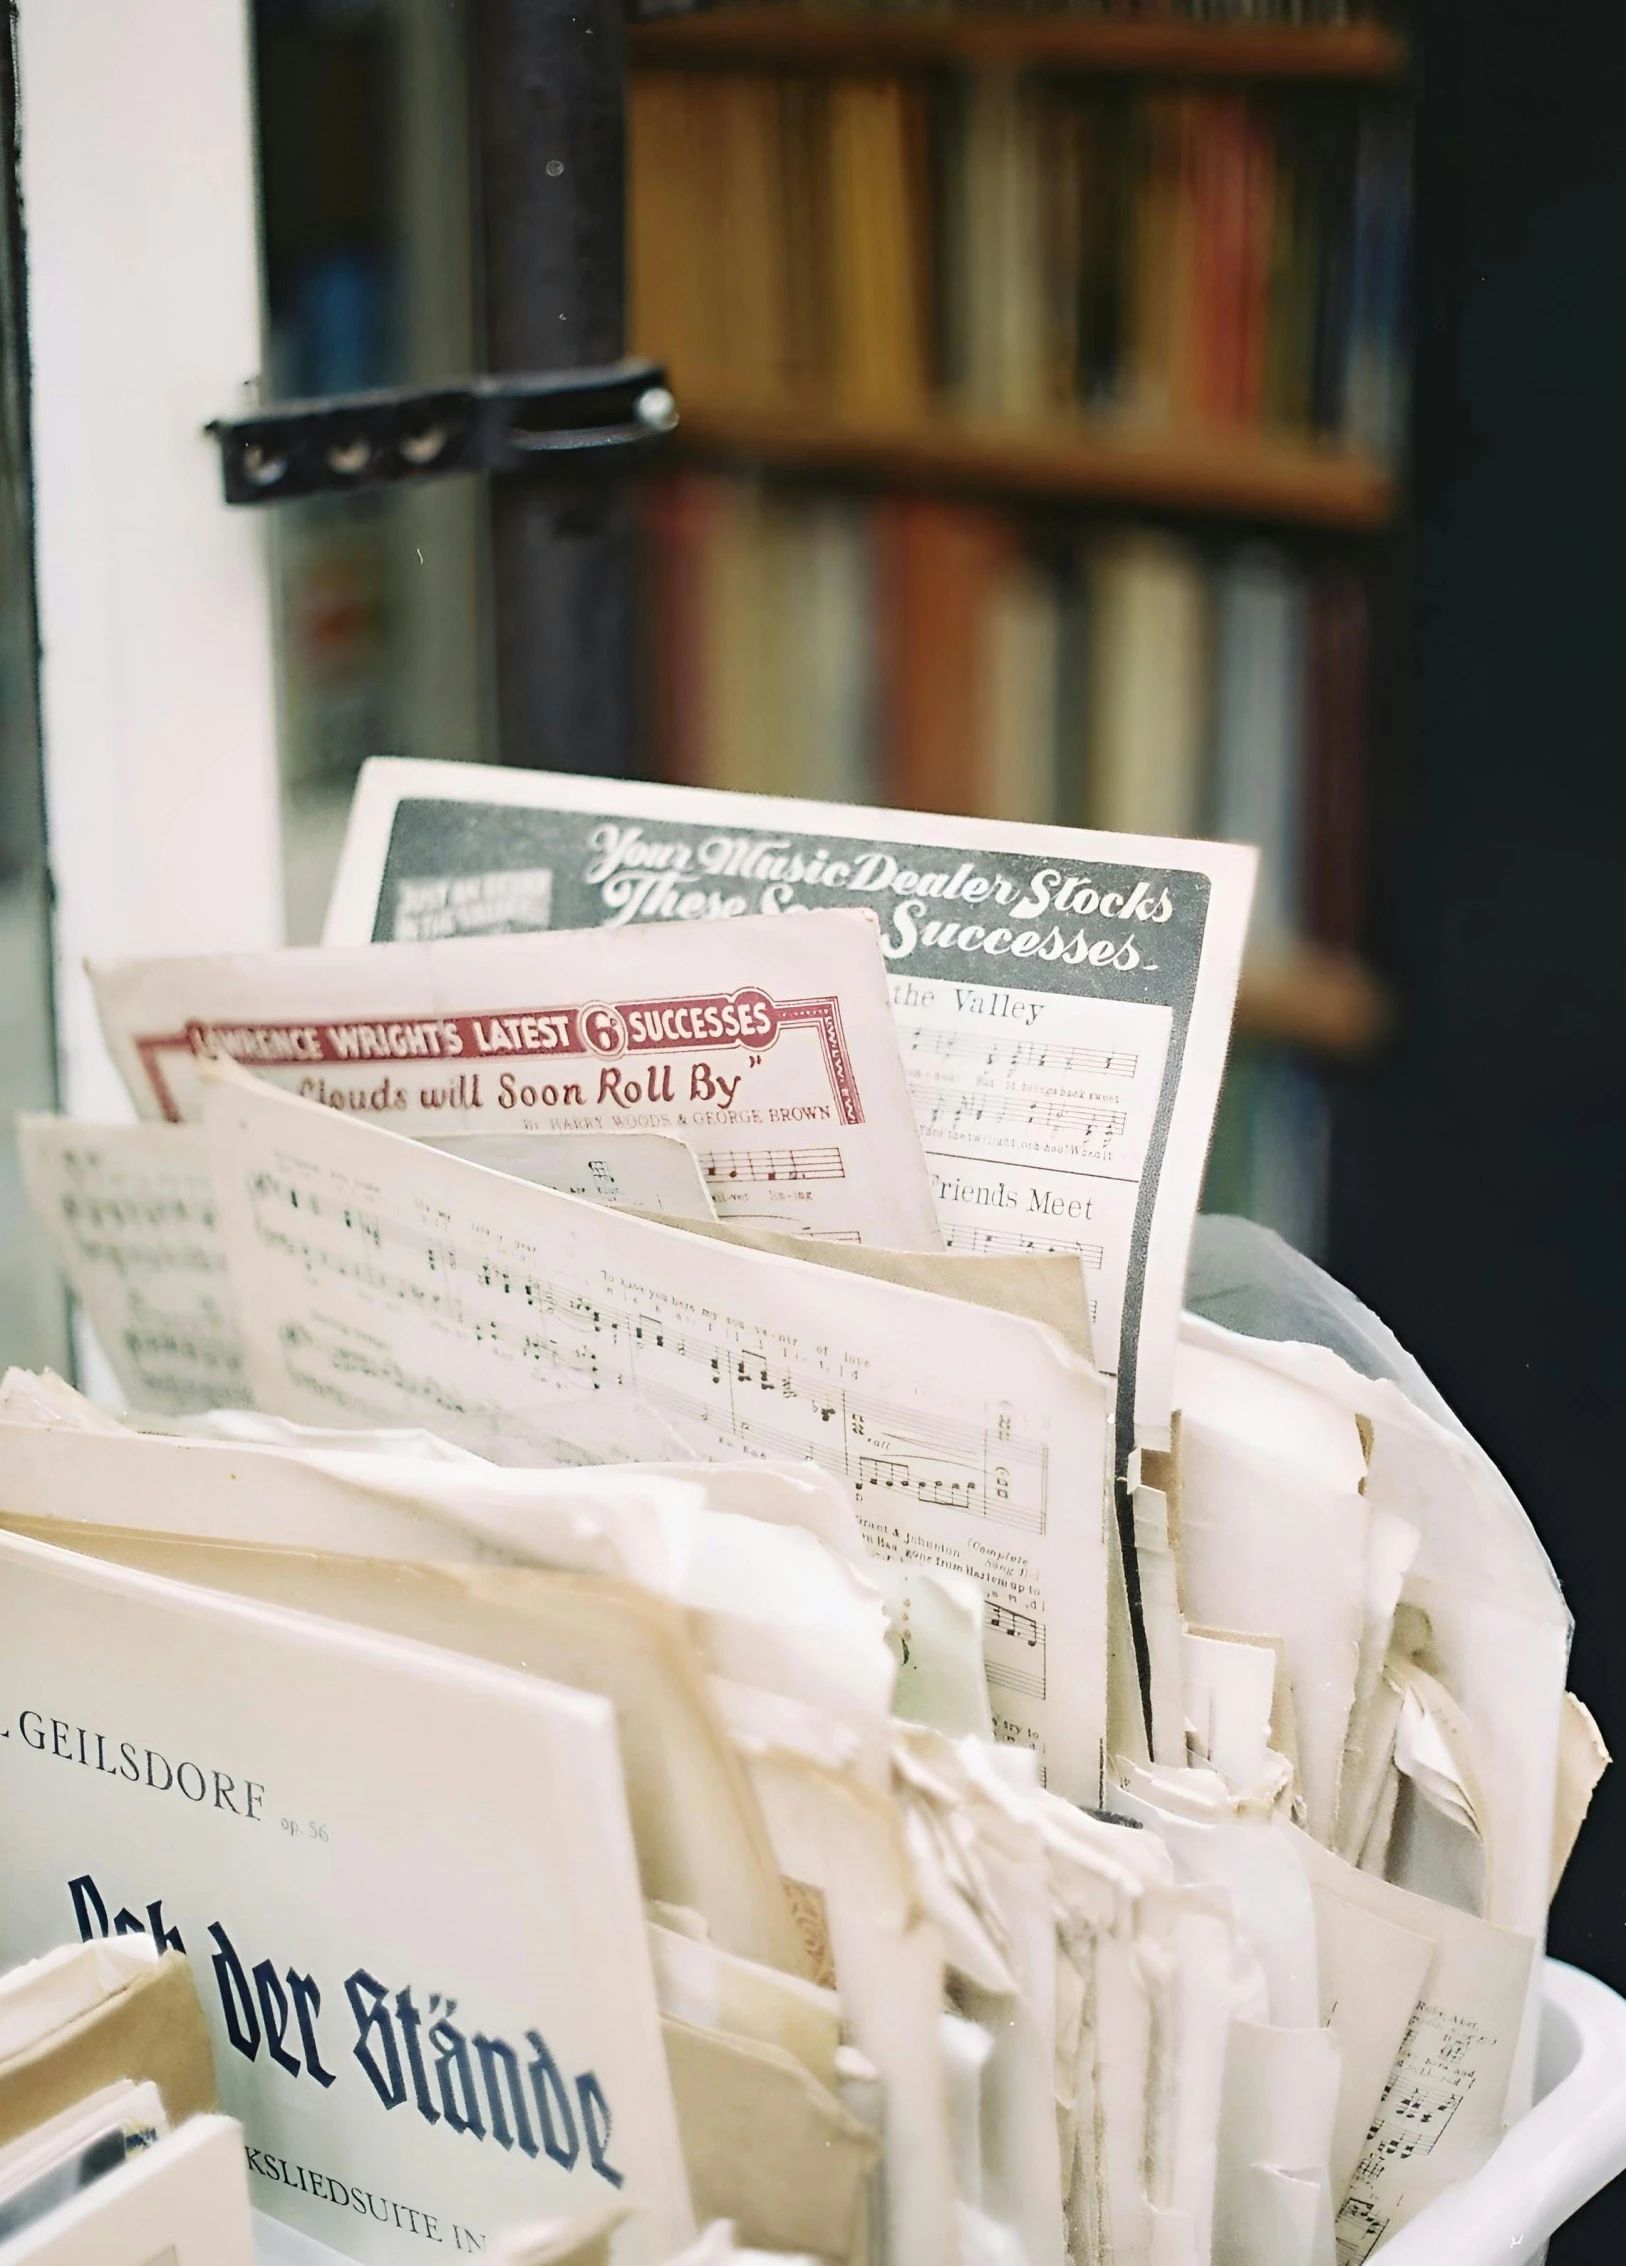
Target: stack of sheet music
(680, 1630)
(110, 2153)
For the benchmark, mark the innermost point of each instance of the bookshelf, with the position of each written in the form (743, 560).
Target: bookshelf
(1289, 481)
(930, 402)
(780, 33)
(1327, 1002)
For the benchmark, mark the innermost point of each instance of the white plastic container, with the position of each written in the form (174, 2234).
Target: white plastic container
(1571, 2144)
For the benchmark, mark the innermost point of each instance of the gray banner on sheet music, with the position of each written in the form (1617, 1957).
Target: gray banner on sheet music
(1028, 922)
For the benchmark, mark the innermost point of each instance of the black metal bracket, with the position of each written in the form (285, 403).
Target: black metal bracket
(497, 424)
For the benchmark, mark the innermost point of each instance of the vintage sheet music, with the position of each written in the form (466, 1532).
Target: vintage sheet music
(770, 1047)
(1444, 2105)
(1064, 999)
(130, 1213)
(356, 1840)
(380, 1281)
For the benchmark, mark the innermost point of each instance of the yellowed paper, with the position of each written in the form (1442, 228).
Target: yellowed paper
(1444, 2103)
(581, 2241)
(701, 1840)
(698, 1982)
(151, 2027)
(1582, 1760)
(1372, 1971)
(767, 2147)
(379, 1280)
(1047, 1287)
(130, 1214)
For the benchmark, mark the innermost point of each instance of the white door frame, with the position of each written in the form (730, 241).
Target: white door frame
(144, 316)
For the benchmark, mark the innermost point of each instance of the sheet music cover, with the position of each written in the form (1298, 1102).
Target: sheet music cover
(1064, 999)
(768, 1045)
(405, 1881)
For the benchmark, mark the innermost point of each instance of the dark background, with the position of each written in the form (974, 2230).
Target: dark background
(1477, 1180)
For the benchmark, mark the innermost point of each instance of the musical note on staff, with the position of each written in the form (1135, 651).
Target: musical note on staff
(1361, 2228)
(1005, 1620)
(1084, 1124)
(1013, 1649)
(926, 1042)
(130, 1260)
(753, 1165)
(158, 1344)
(1428, 2093)
(948, 1494)
(130, 1212)
(1003, 1243)
(123, 1216)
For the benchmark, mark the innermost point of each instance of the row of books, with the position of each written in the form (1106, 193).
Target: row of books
(1024, 248)
(939, 656)
(1187, 11)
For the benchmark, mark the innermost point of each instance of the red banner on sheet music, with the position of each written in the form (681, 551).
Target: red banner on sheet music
(749, 1019)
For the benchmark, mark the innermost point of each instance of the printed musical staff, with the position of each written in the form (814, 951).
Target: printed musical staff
(1083, 1124)
(158, 1346)
(750, 1165)
(1039, 1120)
(785, 1223)
(146, 1235)
(1434, 2073)
(1005, 1243)
(927, 1043)
(130, 1211)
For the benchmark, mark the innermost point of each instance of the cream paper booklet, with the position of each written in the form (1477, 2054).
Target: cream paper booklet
(405, 1881)
(1063, 999)
(768, 1045)
(380, 1282)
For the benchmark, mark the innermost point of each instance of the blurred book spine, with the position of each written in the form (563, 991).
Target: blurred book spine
(882, 246)
(1112, 11)
(923, 267)
(1259, 704)
(936, 655)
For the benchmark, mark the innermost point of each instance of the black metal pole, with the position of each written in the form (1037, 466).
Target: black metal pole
(551, 119)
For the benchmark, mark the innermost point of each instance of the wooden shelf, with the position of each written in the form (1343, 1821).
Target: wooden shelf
(1239, 474)
(772, 32)
(1325, 1001)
